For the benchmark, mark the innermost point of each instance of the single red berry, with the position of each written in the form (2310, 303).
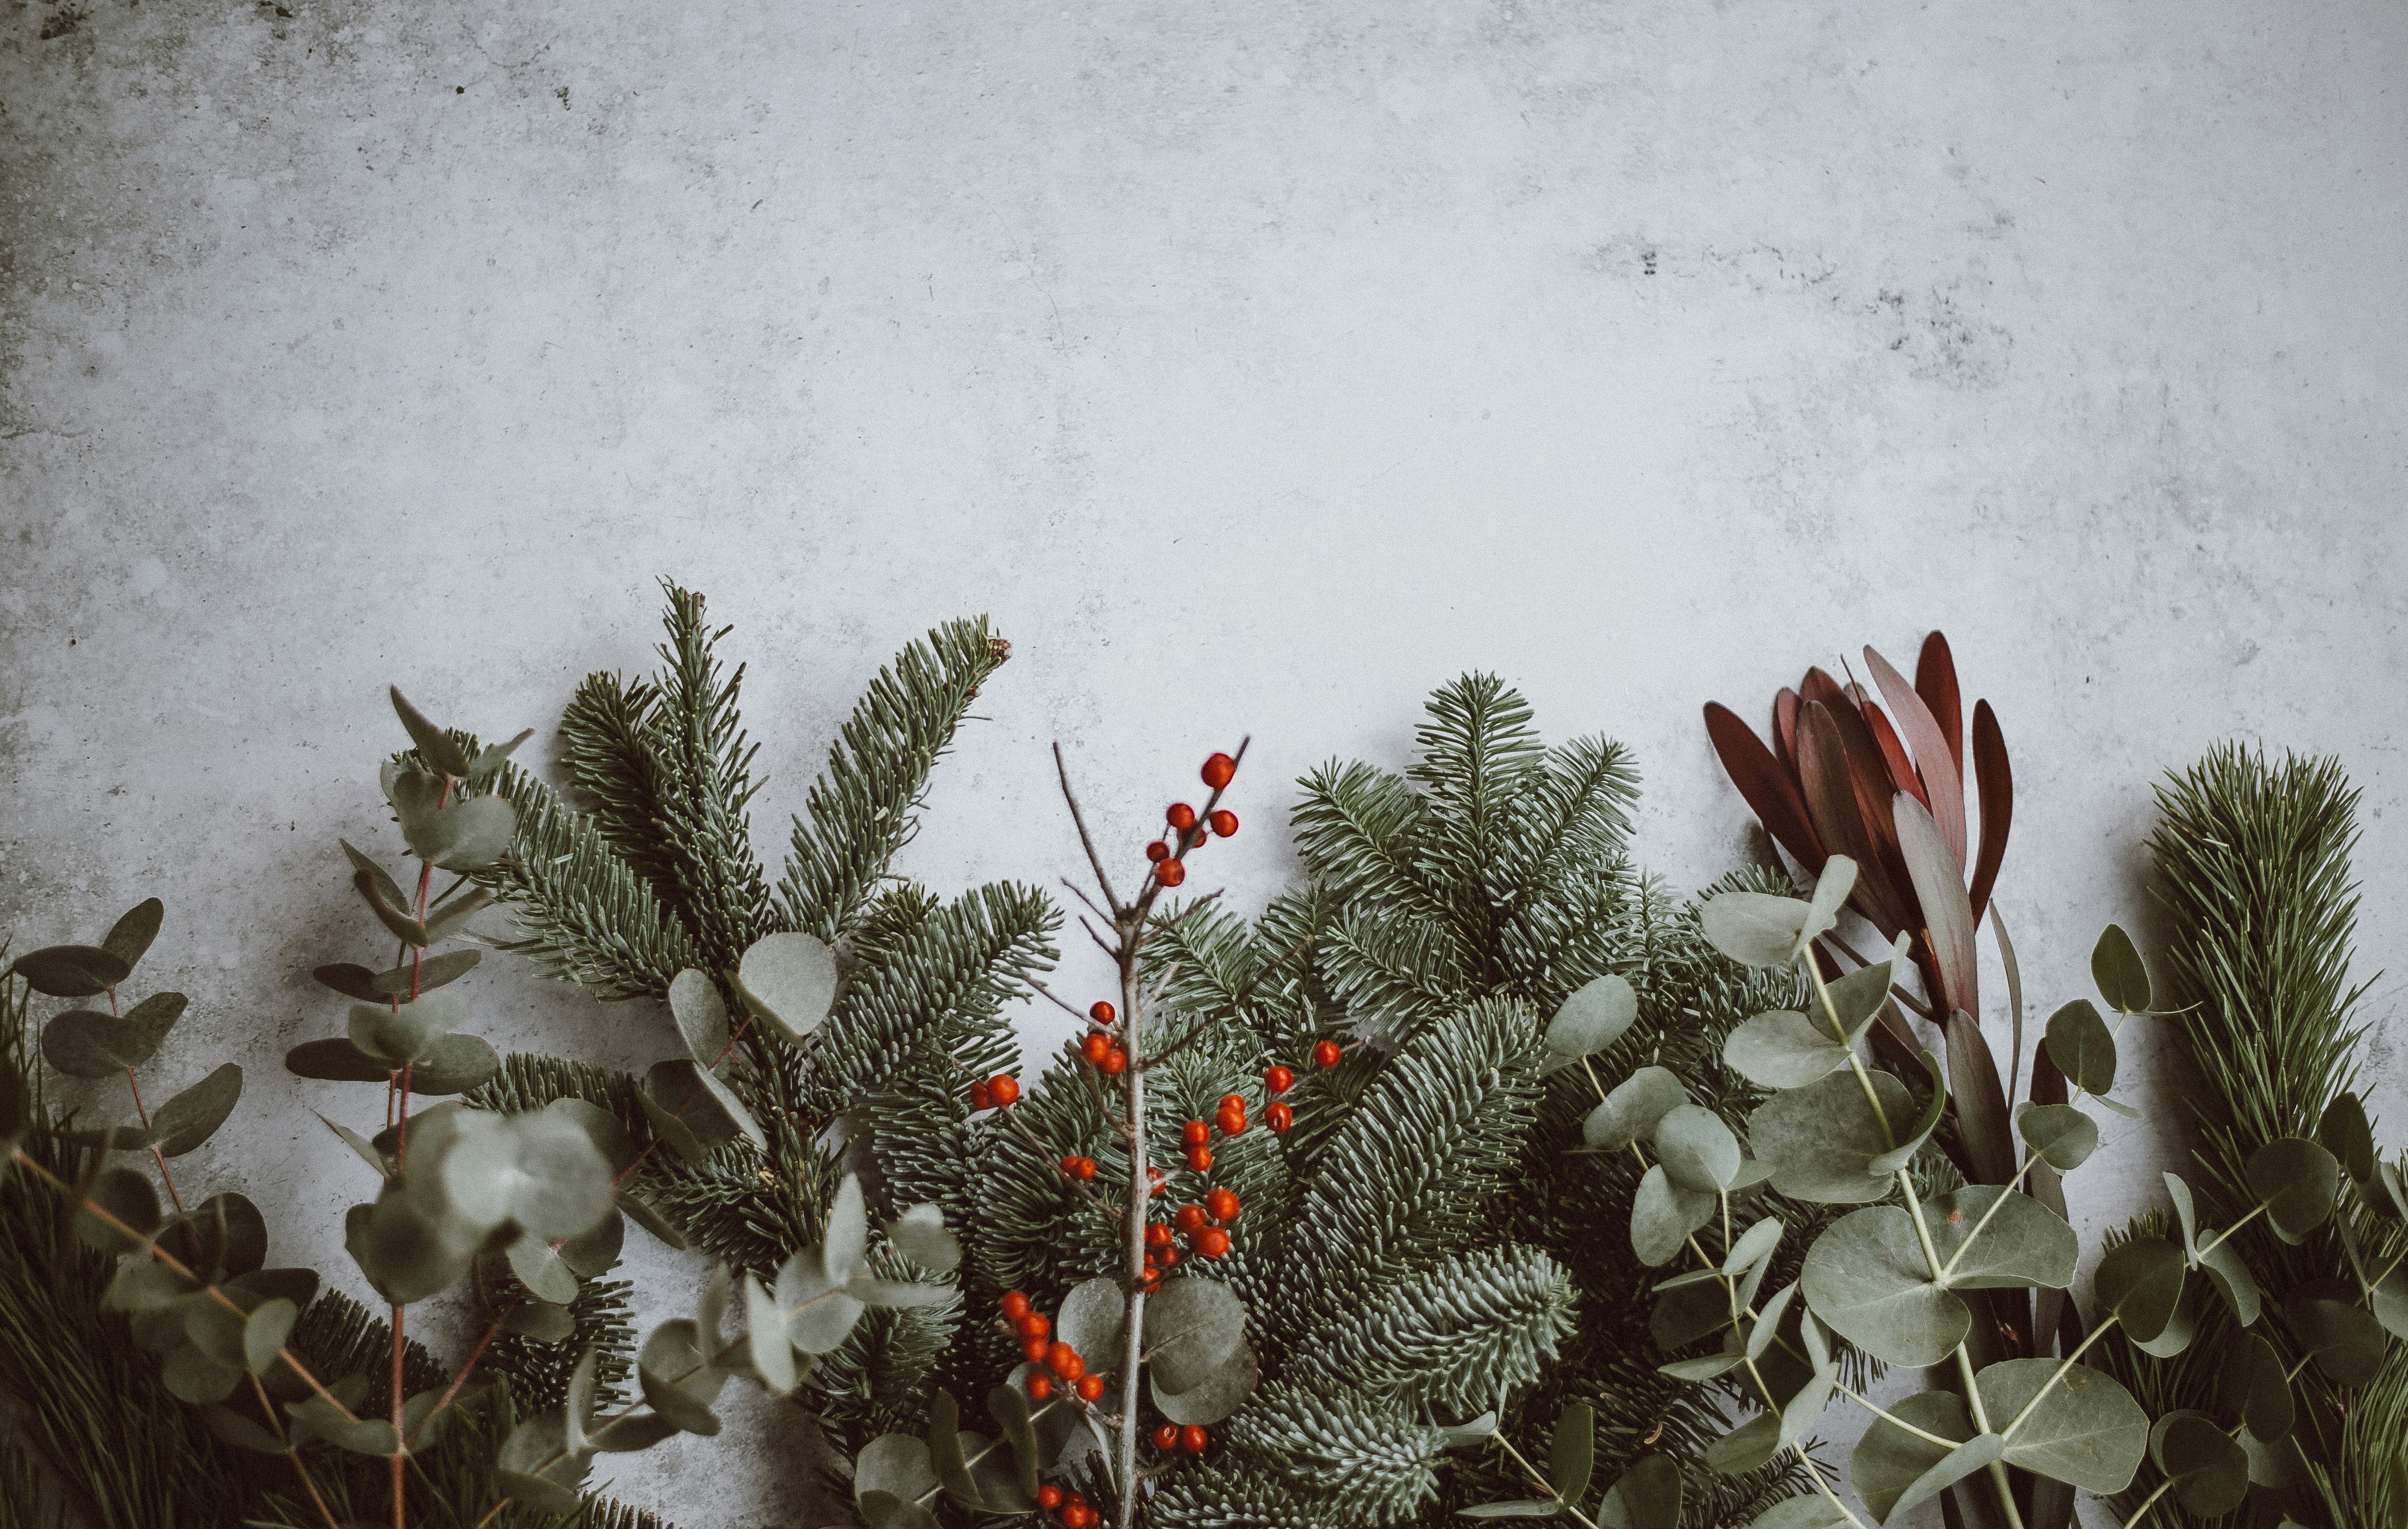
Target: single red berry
(1166, 1437)
(1328, 1053)
(1115, 1062)
(1160, 1183)
(1231, 1121)
(1091, 1388)
(1171, 873)
(1035, 1325)
(1157, 852)
(1167, 1257)
(1191, 1219)
(1076, 1501)
(1225, 823)
(1195, 1134)
(1033, 1349)
(981, 1097)
(1279, 1117)
(1078, 1516)
(1014, 1304)
(1181, 817)
(1004, 1090)
(1223, 1204)
(1156, 1235)
(1153, 1258)
(1219, 770)
(1064, 1361)
(1279, 1079)
(1102, 1012)
(1192, 1439)
(1213, 1242)
(1200, 1158)
(1049, 1496)
(1041, 1386)
(1232, 1101)
(1094, 1044)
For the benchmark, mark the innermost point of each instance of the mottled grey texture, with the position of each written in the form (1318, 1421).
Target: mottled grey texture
(1257, 365)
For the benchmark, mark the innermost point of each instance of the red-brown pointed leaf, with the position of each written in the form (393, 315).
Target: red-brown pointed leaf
(1766, 788)
(1935, 680)
(1868, 779)
(1831, 803)
(1979, 1102)
(1996, 783)
(1822, 689)
(1933, 756)
(1784, 729)
(1948, 918)
(1893, 752)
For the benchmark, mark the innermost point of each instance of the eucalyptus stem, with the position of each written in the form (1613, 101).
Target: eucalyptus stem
(1507, 1445)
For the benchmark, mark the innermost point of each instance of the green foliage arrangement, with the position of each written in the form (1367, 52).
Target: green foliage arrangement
(2253, 860)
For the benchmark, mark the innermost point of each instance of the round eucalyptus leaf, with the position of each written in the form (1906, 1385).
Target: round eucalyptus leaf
(1683, 1315)
(1857, 1000)
(1090, 1320)
(685, 1101)
(126, 1199)
(1632, 1108)
(1976, 1453)
(766, 1345)
(2024, 1245)
(998, 1483)
(1705, 1367)
(1662, 1216)
(2116, 967)
(1008, 1404)
(194, 1376)
(1753, 1246)
(701, 1016)
(536, 1468)
(455, 1064)
(335, 1061)
(420, 977)
(2344, 1132)
(223, 1238)
(407, 1255)
(2060, 1136)
(2389, 1300)
(1805, 1406)
(947, 1452)
(1696, 1149)
(1935, 1105)
(1768, 1323)
(1867, 1280)
(628, 1434)
(2298, 1182)
(2081, 1047)
(1746, 1448)
(1221, 1394)
(597, 1251)
(1889, 1460)
(1755, 928)
(264, 1333)
(845, 1250)
(2255, 1383)
(819, 1312)
(1822, 1139)
(2231, 1275)
(235, 1429)
(2179, 1330)
(464, 837)
(1593, 1018)
(789, 981)
(131, 936)
(194, 1116)
(896, 1464)
(1571, 1453)
(920, 1234)
(71, 971)
(142, 1285)
(540, 1171)
(1192, 1327)
(541, 1322)
(2141, 1281)
(2347, 1342)
(2209, 1470)
(86, 1043)
(1783, 1048)
(2086, 1430)
(678, 1381)
(541, 1270)
(601, 1127)
(403, 1034)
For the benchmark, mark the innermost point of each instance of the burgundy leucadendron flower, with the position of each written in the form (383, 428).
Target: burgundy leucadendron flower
(1885, 787)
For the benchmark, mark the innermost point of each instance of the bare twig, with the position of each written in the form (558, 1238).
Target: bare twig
(1094, 860)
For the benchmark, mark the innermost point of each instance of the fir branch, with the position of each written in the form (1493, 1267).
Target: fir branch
(605, 737)
(706, 764)
(585, 913)
(863, 808)
(1361, 1461)
(1457, 1337)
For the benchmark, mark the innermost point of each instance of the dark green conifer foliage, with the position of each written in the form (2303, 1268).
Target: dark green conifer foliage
(648, 869)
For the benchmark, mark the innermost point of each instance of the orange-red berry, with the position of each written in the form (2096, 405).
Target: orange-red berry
(981, 1097)
(1115, 1062)
(1171, 873)
(1213, 1242)
(1223, 1204)
(1091, 1388)
(1035, 1325)
(1192, 1439)
(1041, 1386)
(1166, 1437)
(1279, 1117)
(1195, 1134)
(1328, 1053)
(1034, 1350)
(1279, 1079)
(1165, 1257)
(1157, 852)
(1232, 1101)
(1156, 1235)
(1014, 1304)
(1094, 1044)
(1064, 1361)
(1004, 1090)
(1231, 1121)
(1200, 1158)
(1078, 1516)
(1049, 1496)
(1219, 770)
(1181, 817)
(1102, 1012)
(1191, 1219)
(1225, 823)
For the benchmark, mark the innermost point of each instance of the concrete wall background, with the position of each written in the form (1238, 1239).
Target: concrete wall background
(1257, 367)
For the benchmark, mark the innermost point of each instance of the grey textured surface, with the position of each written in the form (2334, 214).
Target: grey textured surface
(1257, 367)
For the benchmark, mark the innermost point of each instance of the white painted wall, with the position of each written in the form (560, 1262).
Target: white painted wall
(1257, 367)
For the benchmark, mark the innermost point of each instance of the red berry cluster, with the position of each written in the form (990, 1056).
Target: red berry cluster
(1060, 1363)
(1205, 1227)
(1192, 1440)
(1100, 1048)
(997, 1092)
(1189, 830)
(1068, 1509)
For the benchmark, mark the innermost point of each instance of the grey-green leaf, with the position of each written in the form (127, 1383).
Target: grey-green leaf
(1091, 1319)
(85, 1043)
(2298, 1181)
(2086, 1430)
(1755, 928)
(1746, 1447)
(2060, 1136)
(2140, 1281)
(1632, 1108)
(1822, 1139)
(1222, 1393)
(1696, 1149)
(1647, 1496)
(1593, 1018)
(1783, 1048)
(1662, 1216)
(1572, 1453)
(920, 1234)
(789, 981)
(2209, 1472)
(1192, 1326)
(2024, 1245)
(1867, 1280)
(194, 1116)
(701, 1016)
(2081, 1047)
(2116, 967)
(1888, 1460)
